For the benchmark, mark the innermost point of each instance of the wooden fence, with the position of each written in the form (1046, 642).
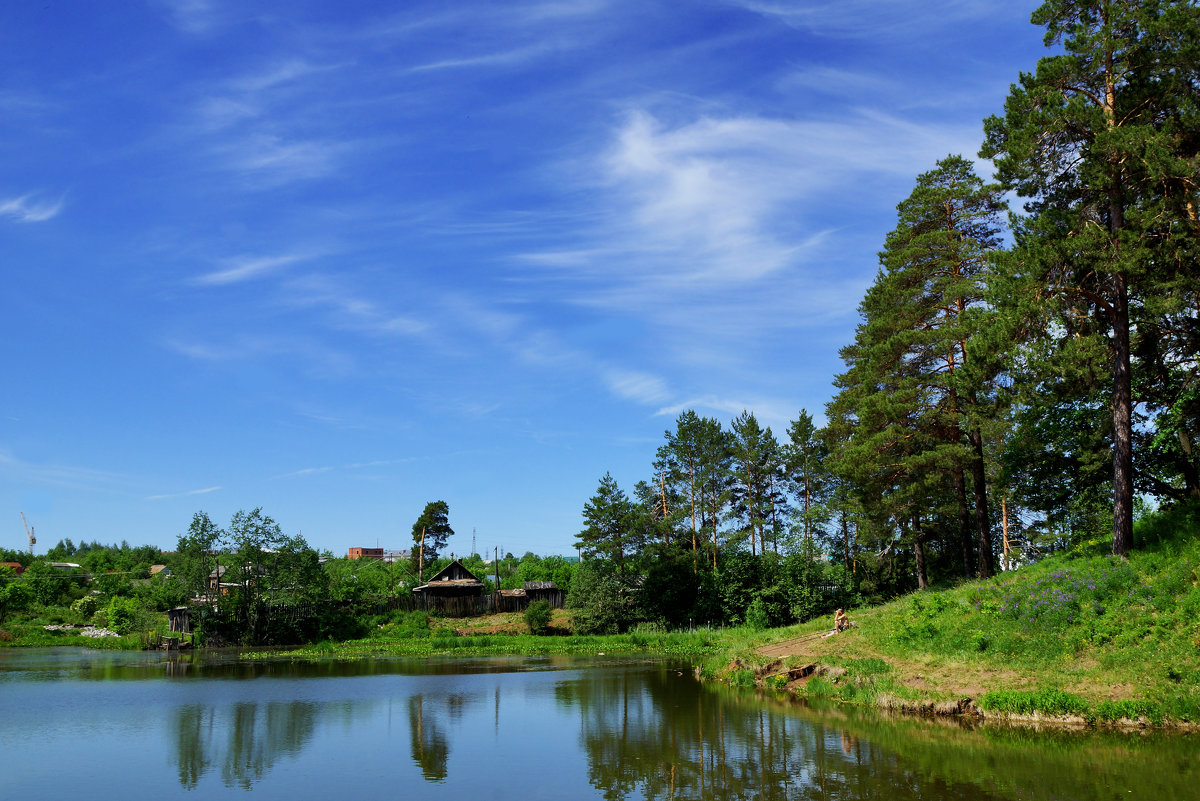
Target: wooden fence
(471, 605)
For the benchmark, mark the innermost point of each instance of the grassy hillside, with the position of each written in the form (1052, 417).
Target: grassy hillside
(1080, 635)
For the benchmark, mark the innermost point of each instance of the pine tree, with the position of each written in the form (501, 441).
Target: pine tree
(908, 407)
(755, 479)
(804, 465)
(609, 525)
(430, 533)
(1102, 139)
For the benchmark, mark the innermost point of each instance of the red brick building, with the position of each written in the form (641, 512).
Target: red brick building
(365, 553)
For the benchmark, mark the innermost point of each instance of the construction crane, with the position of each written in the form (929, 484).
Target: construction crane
(29, 533)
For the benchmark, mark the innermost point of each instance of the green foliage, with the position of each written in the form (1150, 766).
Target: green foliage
(537, 617)
(756, 615)
(430, 533)
(86, 606)
(15, 596)
(1051, 702)
(609, 525)
(125, 615)
(604, 600)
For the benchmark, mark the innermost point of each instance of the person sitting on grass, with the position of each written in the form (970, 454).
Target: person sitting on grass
(840, 623)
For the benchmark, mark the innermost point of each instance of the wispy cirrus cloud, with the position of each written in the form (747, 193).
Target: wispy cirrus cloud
(317, 358)
(185, 494)
(271, 159)
(349, 309)
(312, 471)
(871, 18)
(59, 475)
(510, 57)
(192, 16)
(771, 412)
(635, 385)
(27, 209)
(720, 202)
(245, 268)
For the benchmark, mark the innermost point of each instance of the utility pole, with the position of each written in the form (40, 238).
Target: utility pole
(421, 559)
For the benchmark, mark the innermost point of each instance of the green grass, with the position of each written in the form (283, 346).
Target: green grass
(679, 644)
(1077, 634)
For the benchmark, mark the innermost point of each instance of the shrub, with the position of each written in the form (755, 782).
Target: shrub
(86, 606)
(124, 615)
(537, 617)
(756, 615)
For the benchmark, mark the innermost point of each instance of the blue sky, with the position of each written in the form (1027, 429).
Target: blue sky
(341, 259)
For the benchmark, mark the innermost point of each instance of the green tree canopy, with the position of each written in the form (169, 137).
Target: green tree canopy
(430, 533)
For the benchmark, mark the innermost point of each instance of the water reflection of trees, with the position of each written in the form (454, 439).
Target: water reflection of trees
(660, 736)
(257, 736)
(430, 749)
(426, 716)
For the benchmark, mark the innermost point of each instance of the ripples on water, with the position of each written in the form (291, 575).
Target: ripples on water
(121, 725)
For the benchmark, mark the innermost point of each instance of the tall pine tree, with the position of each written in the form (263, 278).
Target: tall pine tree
(1102, 140)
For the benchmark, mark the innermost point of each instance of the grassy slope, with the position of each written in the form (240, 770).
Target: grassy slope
(1095, 637)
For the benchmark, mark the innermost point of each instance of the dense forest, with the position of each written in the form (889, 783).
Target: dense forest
(1022, 381)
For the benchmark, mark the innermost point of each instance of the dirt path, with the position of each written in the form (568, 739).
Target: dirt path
(939, 675)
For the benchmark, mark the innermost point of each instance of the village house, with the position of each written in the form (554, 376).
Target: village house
(452, 581)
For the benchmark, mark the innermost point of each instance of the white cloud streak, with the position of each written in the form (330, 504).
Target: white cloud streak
(873, 18)
(27, 210)
(83, 478)
(245, 268)
(188, 493)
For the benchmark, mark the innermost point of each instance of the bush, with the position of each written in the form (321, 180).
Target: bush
(756, 615)
(86, 606)
(124, 615)
(537, 617)
(603, 598)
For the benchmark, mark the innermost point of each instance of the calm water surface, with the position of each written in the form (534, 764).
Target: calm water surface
(95, 725)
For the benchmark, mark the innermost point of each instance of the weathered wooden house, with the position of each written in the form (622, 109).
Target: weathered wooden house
(545, 591)
(452, 581)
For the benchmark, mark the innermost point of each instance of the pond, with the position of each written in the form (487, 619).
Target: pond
(103, 725)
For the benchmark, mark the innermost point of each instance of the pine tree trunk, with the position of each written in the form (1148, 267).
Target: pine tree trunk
(1122, 422)
(965, 534)
(983, 526)
(919, 553)
(846, 539)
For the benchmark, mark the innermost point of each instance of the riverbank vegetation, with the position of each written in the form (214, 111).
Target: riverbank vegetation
(1079, 635)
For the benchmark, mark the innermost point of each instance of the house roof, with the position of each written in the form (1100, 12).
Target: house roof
(452, 575)
(455, 571)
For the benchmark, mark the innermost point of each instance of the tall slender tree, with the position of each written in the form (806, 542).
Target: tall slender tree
(754, 478)
(939, 252)
(804, 464)
(1102, 140)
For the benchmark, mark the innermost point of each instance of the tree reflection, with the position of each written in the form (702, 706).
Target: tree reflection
(430, 743)
(659, 736)
(193, 728)
(258, 736)
(430, 749)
